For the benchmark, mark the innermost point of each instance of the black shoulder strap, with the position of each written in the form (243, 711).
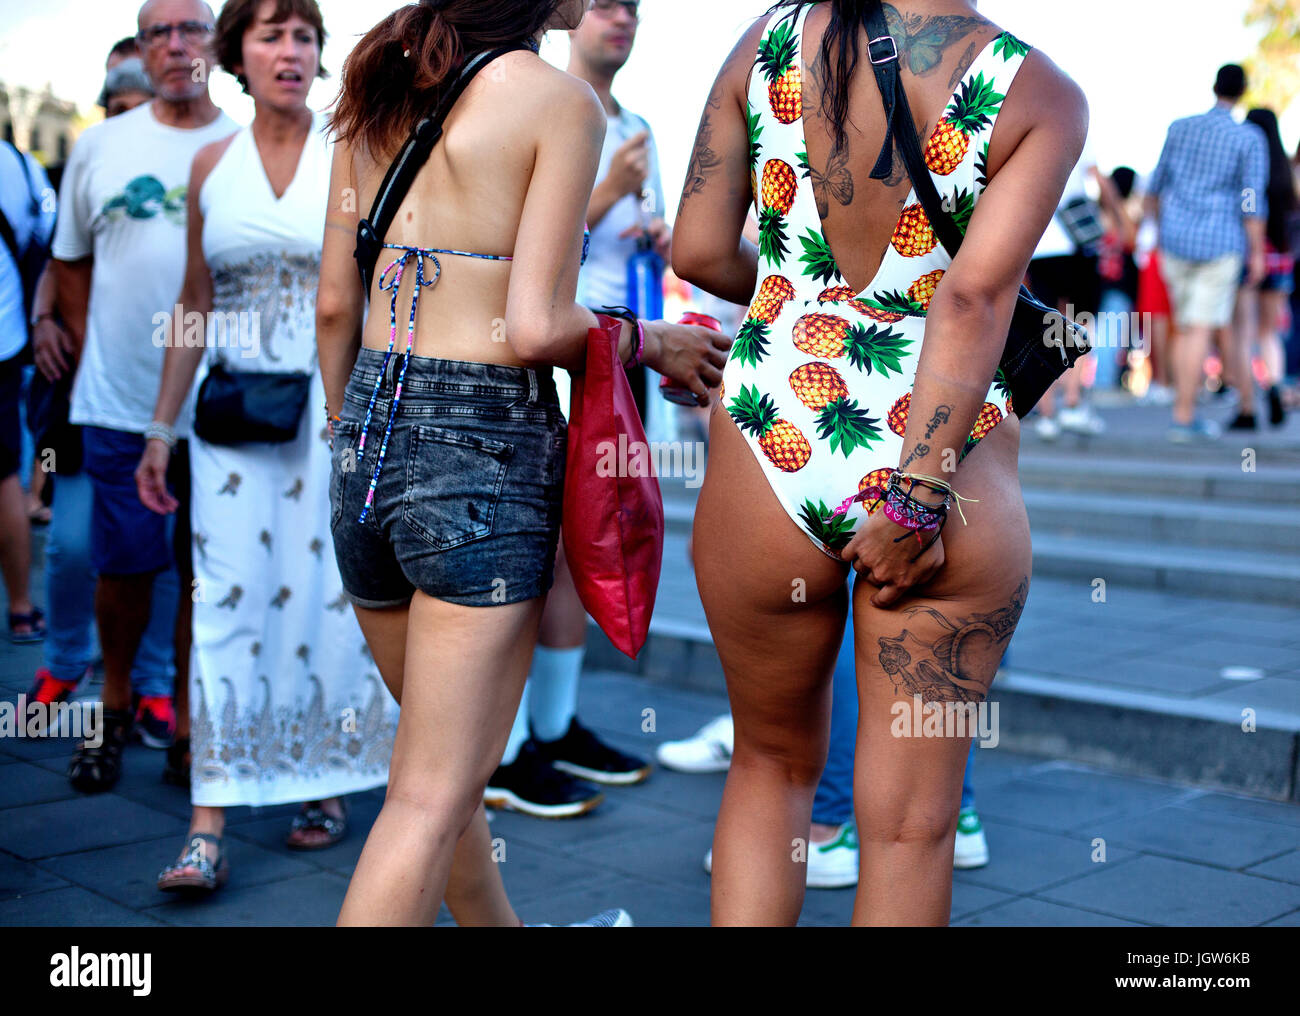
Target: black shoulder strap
(900, 130)
(410, 160)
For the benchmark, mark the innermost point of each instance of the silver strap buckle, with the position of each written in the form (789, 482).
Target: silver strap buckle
(893, 47)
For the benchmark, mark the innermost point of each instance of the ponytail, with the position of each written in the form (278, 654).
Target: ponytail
(397, 72)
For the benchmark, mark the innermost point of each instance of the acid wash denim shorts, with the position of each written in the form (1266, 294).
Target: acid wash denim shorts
(467, 507)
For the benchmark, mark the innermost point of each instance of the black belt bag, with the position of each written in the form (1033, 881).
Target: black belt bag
(1042, 343)
(250, 407)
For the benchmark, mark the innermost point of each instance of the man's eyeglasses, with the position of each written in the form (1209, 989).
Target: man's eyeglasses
(192, 33)
(608, 7)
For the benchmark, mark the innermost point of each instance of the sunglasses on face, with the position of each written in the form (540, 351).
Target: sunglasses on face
(192, 33)
(609, 7)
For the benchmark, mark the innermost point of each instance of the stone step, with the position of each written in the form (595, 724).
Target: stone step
(1241, 575)
(1268, 484)
(1215, 525)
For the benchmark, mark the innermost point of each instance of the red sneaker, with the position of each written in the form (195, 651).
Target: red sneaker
(48, 690)
(155, 721)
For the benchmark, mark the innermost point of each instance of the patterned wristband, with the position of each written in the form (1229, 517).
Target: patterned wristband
(159, 431)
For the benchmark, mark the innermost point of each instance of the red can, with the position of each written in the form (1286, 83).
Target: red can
(675, 393)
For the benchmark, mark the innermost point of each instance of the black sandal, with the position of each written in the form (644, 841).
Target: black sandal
(35, 620)
(177, 770)
(97, 768)
(195, 869)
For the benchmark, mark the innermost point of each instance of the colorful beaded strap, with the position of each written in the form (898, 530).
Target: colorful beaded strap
(391, 280)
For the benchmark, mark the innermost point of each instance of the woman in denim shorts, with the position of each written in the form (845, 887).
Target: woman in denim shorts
(449, 444)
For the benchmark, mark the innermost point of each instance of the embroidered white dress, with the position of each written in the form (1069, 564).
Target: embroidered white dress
(286, 700)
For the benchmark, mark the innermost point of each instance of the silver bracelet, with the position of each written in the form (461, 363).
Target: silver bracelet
(159, 431)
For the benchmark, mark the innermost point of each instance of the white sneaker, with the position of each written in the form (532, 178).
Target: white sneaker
(616, 918)
(834, 864)
(1158, 395)
(972, 849)
(831, 865)
(708, 751)
(1047, 428)
(1081, 420)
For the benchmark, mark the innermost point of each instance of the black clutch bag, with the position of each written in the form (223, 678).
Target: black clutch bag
(248, 407)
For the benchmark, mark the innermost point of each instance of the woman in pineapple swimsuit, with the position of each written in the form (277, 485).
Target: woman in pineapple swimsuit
(832, 385)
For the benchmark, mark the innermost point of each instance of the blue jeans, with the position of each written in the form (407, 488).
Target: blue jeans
(1114, 336)
(833, 803)
(70, 589)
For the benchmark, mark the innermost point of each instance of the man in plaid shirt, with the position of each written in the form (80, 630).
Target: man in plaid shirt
(1209, 192)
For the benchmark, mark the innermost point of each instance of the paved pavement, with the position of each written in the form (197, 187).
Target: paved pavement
(1071, 844)
(1173, 854)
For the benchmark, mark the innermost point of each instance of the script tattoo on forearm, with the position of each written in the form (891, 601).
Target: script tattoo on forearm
(919, 452)
(955, 661)
(941, 416)
(704, 160)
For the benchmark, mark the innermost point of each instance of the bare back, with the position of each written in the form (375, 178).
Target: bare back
(939, 42)
(471, 196)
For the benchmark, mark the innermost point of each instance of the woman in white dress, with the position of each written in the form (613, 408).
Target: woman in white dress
(286, 703)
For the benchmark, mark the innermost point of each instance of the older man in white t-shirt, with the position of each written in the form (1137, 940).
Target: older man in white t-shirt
(120, 251)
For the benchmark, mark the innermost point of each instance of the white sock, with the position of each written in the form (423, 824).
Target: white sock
(554, 699)
(519, 732)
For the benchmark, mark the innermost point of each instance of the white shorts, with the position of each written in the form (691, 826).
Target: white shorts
(1202, 292)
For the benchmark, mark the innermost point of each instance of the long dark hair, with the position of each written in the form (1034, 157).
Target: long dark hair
(839, 52)
(395, 74)
(1281, 180)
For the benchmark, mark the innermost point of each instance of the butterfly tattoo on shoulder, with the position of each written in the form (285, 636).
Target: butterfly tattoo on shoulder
(922, 40)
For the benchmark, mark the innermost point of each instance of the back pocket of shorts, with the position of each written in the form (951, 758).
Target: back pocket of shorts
(453, 483)
(343, 460)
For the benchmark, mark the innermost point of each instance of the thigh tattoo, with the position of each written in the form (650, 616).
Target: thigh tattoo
(942, 667)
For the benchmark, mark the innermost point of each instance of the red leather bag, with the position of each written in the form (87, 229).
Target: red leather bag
(613, 510)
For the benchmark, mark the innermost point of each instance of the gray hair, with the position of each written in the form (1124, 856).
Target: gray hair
(128, 76)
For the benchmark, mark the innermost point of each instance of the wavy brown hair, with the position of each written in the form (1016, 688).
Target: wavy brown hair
(397, 72)
(237, 15)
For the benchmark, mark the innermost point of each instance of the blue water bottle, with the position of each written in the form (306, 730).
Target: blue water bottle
(645, 280)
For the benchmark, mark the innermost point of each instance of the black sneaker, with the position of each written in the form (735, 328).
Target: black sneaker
(1276, 411)
(530, 784)
(583, 754)
(1244, 421)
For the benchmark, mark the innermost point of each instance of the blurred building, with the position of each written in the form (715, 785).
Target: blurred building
(39, 123)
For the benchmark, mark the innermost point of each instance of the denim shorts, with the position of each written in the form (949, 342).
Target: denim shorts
(468, 504)
(126, 538)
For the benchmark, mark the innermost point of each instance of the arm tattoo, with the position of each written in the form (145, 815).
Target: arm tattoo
(947, 660)
(919, 452)
(704, 160)
(941, 416)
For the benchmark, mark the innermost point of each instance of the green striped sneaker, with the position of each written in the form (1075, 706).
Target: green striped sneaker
(972, 849)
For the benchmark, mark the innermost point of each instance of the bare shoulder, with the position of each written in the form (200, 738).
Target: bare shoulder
(1044, 96)
(206, 159)
(546, 95)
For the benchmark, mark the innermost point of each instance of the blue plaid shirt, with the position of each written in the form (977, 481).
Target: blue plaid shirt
(1212, 176)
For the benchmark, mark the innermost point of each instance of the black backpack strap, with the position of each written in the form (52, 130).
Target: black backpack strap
(900, 133)
(410, 160)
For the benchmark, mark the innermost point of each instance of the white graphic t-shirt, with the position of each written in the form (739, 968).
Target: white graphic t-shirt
(123, 202)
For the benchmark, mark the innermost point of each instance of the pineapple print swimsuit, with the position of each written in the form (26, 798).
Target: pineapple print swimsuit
(819, 379)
